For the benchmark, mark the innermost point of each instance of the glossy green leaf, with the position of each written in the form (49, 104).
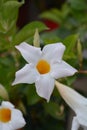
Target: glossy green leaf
(53, 14)
(28, 31)
(70, 43)
(48, 38)
(70, 80)
(9, 13)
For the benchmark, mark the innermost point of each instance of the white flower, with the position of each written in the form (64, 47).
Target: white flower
(43, 67)
(78, 104)
(10, 118)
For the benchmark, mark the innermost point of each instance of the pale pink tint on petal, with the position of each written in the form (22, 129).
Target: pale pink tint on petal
(77, 102)
(71, 97)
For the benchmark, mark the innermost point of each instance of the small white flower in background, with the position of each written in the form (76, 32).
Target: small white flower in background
(10, 118)
(78, 104)
(43, 67)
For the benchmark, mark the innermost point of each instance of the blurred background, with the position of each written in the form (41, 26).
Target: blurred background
(31, 10)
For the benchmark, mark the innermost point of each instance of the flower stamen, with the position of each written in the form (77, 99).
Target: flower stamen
(5, 115)
(43, 67)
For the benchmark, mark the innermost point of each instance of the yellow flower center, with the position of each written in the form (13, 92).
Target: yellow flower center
(5, 115)
(43, 67)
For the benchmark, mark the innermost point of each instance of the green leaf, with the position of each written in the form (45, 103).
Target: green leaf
(28, 32)
(7, 68)
(53, 14)
(49, 38)
(9, 13)
(78, 4)
(32, 97)
(2, 28)
(70, 43)
(4, 44)
(70, 80)
(54, 110)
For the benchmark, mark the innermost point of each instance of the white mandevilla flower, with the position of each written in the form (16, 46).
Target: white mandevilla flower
(10, 118)
(43, 67)
(78, 104)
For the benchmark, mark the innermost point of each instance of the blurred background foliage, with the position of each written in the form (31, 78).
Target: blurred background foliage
(57, 21)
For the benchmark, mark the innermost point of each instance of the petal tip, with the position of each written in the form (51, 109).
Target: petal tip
(14, 82)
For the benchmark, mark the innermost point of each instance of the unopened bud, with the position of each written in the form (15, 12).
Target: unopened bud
(36, 41)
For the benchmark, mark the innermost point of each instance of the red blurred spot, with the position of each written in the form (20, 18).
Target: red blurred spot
(51, 24)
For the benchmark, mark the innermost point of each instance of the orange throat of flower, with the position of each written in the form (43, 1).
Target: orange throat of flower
(5, 115)
(43, 66)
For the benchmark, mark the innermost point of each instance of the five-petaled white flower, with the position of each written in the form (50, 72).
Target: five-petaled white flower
(78, 104)
(43, 67)
(10, 118)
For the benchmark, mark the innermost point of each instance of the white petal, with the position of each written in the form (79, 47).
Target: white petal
(6, 126)
(71, 97)
(17, 120)
(62, 69)
(75, 124)
(7, 104)
(53, 52)
(44, 86)
(77, 102)
(27, 74)
(30, 53)
(1, 125)
(82, 117)
(85, 128)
